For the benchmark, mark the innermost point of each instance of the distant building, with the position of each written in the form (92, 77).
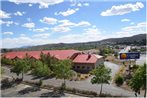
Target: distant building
(81, 62)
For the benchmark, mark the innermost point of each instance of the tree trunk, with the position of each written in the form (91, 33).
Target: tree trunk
(22, 75)
(101, 89)
(145, 93)
(135, 94)
(64, 82)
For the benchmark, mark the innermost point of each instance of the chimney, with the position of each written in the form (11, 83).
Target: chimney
(89, 56)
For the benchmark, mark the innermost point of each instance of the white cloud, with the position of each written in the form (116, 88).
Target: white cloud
(63, 25)
(83, 23)
(40, 29)
(92, 31)
(39, 39)
(132, 23)
(22, 35)
(60, 29)
(16, 42)
(23, 41)
(94, 26)
(29, 25)
(89, 34)
(82, 37)
(8, 33)
(140, 28)
(8, 23)
(18, 13)
(68, 12)
(125, 20)
(30, 5)
(3, 14)
(42, 3)
(86, 4)
(123, 9)
(49, 20)
(45, 35)
(79, 5)
(66, 25)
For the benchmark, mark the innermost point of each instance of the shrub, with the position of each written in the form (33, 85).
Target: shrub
(127, 82)
(78, 75)
(82, 78)
(86, 76)
(119, 80)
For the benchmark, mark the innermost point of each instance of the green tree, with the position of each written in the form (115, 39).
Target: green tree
(6, 61)
(101, 75)
(2, 70)
(41, 69)
(20, 66)
(139, 80)
(63, 70)
(119, 80)
(49, 60)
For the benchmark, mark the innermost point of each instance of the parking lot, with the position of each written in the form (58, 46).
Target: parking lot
(23, 90)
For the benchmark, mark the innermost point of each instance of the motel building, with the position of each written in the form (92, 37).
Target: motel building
(82, 62)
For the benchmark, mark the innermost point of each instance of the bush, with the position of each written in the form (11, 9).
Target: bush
(82, 78)
(119, 80)
(86, 76)
(127, 82)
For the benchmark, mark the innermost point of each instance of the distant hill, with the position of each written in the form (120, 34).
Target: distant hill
(139, 39)
(136, 39)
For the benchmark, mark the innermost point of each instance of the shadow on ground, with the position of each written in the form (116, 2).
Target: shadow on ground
(53, 94)
(28, 90)
(8, 83)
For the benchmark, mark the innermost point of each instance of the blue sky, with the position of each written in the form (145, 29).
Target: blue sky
(37, 22)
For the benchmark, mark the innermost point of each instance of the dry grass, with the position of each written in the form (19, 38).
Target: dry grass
(82, 76)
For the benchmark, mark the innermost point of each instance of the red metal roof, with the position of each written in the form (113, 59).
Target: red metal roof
(59, 54)
(86, 58)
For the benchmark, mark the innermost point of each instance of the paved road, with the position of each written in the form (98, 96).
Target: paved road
(14, 92)
(83, 85)
(114, 68)
(125, 50)
(142, 59)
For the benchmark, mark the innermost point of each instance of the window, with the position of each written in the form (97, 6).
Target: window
(88, 67)
(78, 67)
(83, 67)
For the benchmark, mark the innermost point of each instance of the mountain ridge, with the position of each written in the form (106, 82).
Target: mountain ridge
(139, 39)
